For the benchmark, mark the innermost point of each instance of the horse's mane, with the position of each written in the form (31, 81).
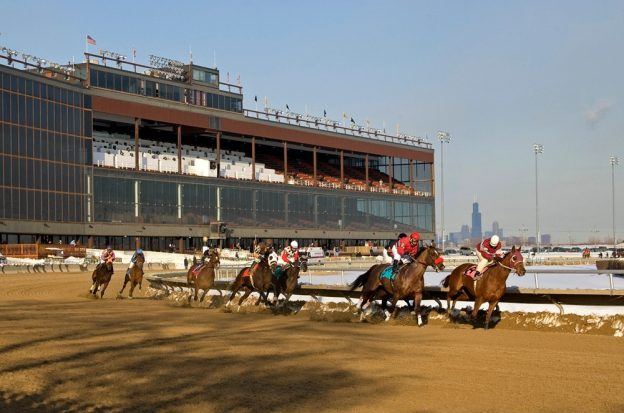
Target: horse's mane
(422, 251)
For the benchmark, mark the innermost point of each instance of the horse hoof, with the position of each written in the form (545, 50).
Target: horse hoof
(387, 313)
(420, 323)
(129, 297)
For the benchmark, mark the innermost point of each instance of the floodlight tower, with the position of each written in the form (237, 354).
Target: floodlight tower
(613, 161)
(537, 149)
(444, 137)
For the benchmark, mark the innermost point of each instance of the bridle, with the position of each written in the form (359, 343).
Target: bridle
(507, 267)
(436, 262)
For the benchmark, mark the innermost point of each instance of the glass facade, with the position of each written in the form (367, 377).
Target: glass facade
(163, 90)
(189, 201)
(45, 149)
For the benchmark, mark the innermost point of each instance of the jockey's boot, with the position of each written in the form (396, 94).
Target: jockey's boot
(395, 266)
(477, 276)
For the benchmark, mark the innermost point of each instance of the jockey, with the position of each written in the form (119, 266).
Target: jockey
(258, 253)
(290, 254)
(487, 250)
(137, 253)
(108, 255)
(405, 248)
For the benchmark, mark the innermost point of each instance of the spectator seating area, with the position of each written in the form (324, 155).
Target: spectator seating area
(117, 151)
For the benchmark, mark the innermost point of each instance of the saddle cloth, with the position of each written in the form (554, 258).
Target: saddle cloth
(197, 269)
(279, 270)
(387, 273)
(246, 272)
(471, 271)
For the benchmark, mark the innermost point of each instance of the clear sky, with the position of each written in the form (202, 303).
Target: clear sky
(498, 75)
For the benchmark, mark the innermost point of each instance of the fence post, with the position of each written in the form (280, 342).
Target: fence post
(611, 282)
(536, 281)
(342, 277)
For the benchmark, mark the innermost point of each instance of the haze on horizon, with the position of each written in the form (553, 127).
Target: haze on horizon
(498, 76)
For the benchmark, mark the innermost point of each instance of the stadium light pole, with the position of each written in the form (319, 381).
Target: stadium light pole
(444, 137)
(537, 149)
(614, 161)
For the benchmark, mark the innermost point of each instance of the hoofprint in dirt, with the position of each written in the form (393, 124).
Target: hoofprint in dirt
(344, 312)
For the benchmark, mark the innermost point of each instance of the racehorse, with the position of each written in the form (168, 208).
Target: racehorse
(287, 281)
(410, 280)
(101, 277)
(134, 275)
(204, 279)
(370, 281)
(489, 288)
(261, 279)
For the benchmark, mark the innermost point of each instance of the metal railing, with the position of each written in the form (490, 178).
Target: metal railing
(327, 125)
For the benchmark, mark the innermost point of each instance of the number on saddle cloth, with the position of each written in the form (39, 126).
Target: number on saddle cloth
(387, 273)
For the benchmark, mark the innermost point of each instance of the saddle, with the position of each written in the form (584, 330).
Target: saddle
(471, 271)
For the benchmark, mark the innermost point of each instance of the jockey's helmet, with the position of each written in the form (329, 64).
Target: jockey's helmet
(139, 251)
(494, 240)
(294, 245)
(108, 247)
(414, 237)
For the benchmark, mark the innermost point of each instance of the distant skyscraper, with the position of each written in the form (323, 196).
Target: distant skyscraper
(496, 229)
(476, 222)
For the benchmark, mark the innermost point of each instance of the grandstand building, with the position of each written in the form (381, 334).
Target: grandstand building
(165, 155)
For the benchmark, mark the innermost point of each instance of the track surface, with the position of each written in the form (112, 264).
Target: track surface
(62, 351)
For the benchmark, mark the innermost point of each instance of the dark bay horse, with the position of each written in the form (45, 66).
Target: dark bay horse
(101, 277)
(134, 275)
(287, 282)
(204, 280)
(490, 288)
(371, 282)
(261, 279)
(410, 280)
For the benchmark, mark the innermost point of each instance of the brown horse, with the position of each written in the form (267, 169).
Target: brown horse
(410, 280)
(371, 283)
(261, 279)
(490, 288)
(101, 277)
(287, 282)
(134, 275)
(204, 280)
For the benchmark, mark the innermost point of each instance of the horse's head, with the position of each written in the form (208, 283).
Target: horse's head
(140, 259)
(514, 260)
(303, 264)
(109, 266)
(433, 257)
(214, 258)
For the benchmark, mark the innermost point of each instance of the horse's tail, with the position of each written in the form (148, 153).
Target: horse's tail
(446, 282)
(360, 281)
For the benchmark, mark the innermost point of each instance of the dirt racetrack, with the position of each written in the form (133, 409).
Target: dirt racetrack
(62, 351)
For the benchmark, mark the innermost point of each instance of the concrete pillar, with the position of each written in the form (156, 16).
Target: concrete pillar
(314, 165)
(90, 241)
(253, 158)
(342, 181)
(181, 244)
(218, 154)
(179, 130)
(285, 162)
(411, 176)
(137, 122)
(366, 168)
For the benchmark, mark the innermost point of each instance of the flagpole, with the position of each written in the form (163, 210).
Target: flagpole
(86, 49)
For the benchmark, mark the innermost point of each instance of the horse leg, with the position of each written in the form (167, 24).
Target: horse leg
(417, 299)
(93, 288)
(104, 289)
(236, 286)
(247, 292)
(133, 285)
(126, 279)
(489, 314)
(395, 311)
(203, 295)
(475, 310)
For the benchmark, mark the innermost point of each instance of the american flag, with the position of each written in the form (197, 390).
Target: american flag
(90, 40)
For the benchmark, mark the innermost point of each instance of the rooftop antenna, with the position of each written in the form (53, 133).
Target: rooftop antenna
(191, 54)
(214, 58)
